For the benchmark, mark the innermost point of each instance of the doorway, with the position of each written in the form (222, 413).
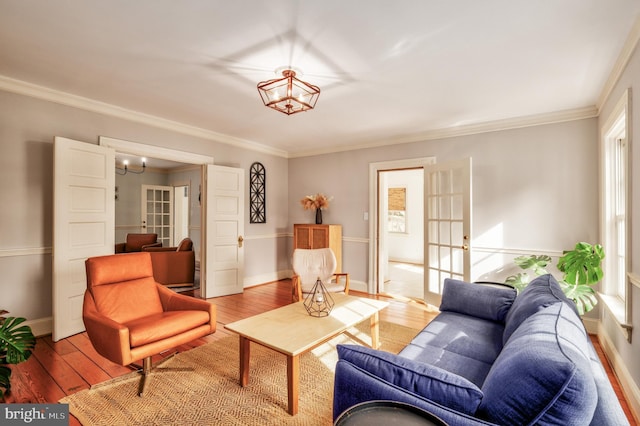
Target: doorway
(401, 215)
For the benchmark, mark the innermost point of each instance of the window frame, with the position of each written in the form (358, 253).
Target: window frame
(616, 293)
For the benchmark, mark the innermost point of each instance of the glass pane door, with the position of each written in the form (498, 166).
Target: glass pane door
(157, 212)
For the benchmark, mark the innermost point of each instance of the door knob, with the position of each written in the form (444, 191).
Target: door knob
(240, 240)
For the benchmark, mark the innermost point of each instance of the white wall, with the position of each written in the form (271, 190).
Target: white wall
(534, 189)
(27, 129)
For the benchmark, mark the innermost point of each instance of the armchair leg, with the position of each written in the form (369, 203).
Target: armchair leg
(147, 368)
(146, 372)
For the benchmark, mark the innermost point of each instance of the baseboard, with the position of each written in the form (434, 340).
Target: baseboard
(592, 325)
(629, 387)
(266, 278)
(40, 326)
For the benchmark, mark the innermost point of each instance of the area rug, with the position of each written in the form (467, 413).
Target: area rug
(211, 394)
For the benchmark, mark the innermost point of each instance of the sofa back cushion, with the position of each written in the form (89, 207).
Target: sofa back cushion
(540, 293)
(491, 302)
(543, 374)
(422, 379)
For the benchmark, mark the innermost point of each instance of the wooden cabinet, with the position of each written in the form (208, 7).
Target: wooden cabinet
(311, 236)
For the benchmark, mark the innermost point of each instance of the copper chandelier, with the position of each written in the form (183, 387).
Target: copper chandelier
(288, 94)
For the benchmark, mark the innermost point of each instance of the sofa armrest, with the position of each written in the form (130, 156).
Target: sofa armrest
(120, 247)
(485, 301)
(354, 385)
(109, 338)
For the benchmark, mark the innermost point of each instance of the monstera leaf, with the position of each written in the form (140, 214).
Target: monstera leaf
(16, 344)
(581, 268)
(583, 295)
(582, 264)
(537, 263)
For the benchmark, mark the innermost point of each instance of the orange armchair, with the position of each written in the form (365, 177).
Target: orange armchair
(138, 242)
(174, 266)
(130, 317)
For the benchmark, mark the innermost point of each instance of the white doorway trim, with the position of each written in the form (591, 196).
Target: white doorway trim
(374, 168)
(153, 151)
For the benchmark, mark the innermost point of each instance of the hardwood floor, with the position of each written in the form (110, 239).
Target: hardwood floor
(57, 369)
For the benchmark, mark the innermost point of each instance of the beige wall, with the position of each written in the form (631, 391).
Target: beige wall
(27, 129)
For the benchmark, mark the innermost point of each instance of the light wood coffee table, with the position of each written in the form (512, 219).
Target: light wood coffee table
(291, 331)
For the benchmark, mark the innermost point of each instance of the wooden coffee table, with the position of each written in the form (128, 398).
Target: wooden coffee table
(291, 331)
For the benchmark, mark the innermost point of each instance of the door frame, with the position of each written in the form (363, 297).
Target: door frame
(152, 151)
(374, 190)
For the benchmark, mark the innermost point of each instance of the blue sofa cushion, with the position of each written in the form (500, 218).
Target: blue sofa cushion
(540, 293)
(477, 300)
(461, 344)
(543, 374)
(425, 380)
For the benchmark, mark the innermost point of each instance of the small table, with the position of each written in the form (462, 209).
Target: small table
(291, 331)
(384, 413)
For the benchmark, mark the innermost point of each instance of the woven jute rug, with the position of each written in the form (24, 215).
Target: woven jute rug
(211, 394)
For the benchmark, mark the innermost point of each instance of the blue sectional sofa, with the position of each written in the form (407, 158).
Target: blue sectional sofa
(489, 358)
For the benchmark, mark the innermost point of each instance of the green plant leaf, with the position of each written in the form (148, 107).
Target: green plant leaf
(537, 263)
(16, 342)
(518, 281)
(582, 264)
(583, 295)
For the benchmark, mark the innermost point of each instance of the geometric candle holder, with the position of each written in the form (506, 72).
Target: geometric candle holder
(319, 302)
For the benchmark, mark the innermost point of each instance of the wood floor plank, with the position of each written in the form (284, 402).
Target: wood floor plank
(64, 375)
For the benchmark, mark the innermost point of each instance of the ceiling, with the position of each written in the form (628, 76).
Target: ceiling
(389, 71)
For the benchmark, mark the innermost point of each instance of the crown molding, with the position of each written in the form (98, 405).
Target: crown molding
(623, 59)
(63, 98)
(40, 92)
(469, 129)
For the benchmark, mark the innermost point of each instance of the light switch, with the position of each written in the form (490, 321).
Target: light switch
(365, 216)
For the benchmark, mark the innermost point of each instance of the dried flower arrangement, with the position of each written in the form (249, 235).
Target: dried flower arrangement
(315, 202)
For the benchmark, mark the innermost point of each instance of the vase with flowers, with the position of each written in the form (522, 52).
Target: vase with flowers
(318, 202)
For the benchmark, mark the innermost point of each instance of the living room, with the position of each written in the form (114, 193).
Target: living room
(522, 168)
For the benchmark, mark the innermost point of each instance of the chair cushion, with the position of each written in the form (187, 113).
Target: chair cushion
(159, 326)
(540, 293)
(422, 379)
(543, 374)
(478, 300)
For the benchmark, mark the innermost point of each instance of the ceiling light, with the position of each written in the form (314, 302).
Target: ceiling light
(288, 94)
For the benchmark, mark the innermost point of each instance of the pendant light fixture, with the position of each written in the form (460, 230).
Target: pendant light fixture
(288, 94)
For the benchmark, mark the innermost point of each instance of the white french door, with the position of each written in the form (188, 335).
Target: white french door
(223, 265)
(447, 227)
(157, 212)
(83, 224)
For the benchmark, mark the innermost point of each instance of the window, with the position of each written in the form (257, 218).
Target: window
(398, 210)
(615, 212)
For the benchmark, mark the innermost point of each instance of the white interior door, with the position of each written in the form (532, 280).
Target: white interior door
(448, 226)
(157, 212)
(83, 224)
(223, 271)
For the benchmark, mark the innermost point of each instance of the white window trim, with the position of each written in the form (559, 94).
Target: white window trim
(619, 309)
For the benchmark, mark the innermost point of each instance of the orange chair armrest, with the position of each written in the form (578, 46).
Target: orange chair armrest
(172, 301)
